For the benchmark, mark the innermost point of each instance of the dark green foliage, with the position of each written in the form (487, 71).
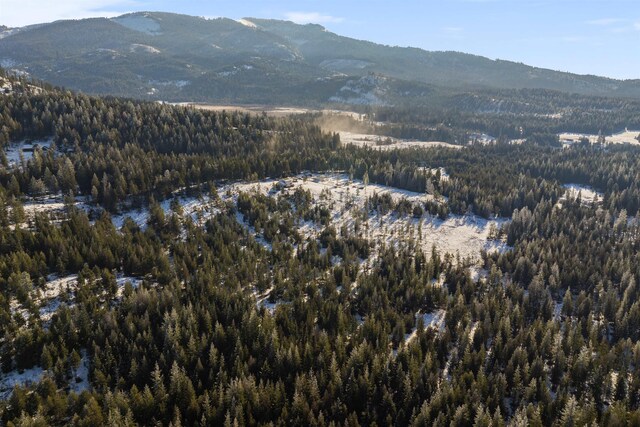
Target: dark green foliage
(228, 328)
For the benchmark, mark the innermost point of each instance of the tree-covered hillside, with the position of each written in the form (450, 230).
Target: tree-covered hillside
(164, 265)
(171, 57)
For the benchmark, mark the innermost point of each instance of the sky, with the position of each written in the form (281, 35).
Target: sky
(600, 37)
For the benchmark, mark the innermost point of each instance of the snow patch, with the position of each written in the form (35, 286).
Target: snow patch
(247, 23)
(587, 194)
(626, 137)
(433, 320)
(8, 63)
(15, 378)
(137, 47)
(78, 383)
(9, 32)
(6, 87)
(198, 208)
(478, 273)
(122, 280)
(481, 138)
(51, 298)
(465, 235)
(344, 65)
(235, 70)
(26, 148)
(51, 205)
(557, 310)
(384, 143)
(262, 300)
(368, 90)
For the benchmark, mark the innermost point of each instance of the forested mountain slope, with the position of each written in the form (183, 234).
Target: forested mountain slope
(183, 58)
(162, 265)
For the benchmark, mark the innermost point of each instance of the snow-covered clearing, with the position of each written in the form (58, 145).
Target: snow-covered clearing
(282, 111)
(629, 137)
(122, 280)
(388, 143)
(465, 235)
(139, 216)
(625, 137)
(25, 378)
(61, 291)
(444, 176)
(478, 273)
(52, 205)
(235, 70)
(26, 148)
(8, 62)
(481, 138)
(136, 47)
(587, 194)
(51, 298)
(262, 300)
(198, 208)
(433, 320)
(345, 199)
(80, 380)
(78, 383)
(8, 32)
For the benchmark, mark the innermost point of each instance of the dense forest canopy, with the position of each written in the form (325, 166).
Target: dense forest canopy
(244, 317)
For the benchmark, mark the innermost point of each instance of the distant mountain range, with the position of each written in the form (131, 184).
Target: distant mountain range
(163, 56)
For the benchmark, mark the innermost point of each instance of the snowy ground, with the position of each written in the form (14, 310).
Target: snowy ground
(25, 378)
(626, 137)
(136, 47)
(388, 143)
(270, 110)
(557, 310)
(444, 176)
(466, 235)
(587, 194)
(6, 87)
(262, 300)
(249, 109)
(345, 200)
(198, 208)
(60, 291)
(122, 280)
(53, 205)
(78, 383)
(433, 320)
(52, 298)
(478, 273)
(481, 138)
(14, 149)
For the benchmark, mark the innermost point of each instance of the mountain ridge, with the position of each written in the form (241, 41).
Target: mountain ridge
(174, 57)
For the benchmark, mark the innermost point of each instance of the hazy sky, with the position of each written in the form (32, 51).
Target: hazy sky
(583, 36)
